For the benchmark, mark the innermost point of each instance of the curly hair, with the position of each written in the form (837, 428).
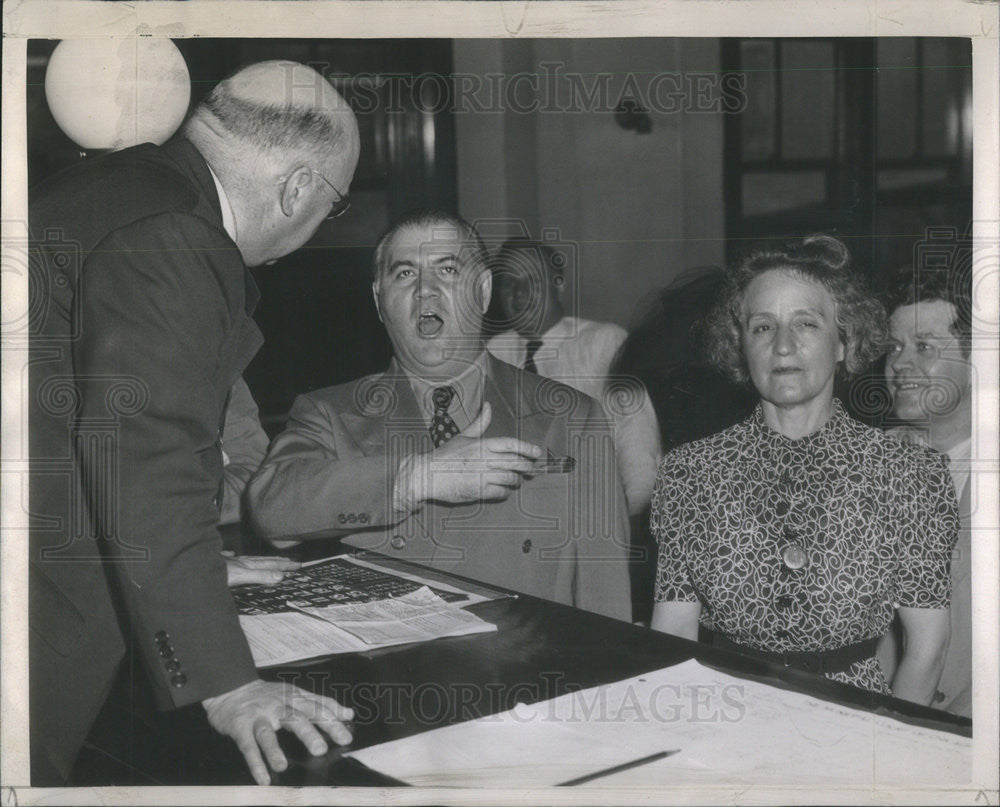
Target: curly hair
(861, 320)
(947, 284)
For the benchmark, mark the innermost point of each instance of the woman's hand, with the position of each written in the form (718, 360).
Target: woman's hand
(256, 569)
(925, 642)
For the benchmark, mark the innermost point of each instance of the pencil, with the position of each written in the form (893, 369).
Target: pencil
(635, 763)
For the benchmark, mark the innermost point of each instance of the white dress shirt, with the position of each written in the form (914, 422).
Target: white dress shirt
(579, 352)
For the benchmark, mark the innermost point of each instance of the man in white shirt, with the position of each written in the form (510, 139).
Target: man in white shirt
(529, 278)
(930, 381)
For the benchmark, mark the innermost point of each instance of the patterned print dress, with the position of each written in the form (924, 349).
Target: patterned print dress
(877, 520)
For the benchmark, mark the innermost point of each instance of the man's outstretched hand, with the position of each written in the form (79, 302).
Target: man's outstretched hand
(467, 468)
(252, 714)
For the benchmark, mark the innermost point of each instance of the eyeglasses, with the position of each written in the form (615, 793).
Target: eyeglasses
(340, 205)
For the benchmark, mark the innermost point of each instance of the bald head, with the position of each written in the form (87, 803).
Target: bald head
(284, 144)
(283, 110)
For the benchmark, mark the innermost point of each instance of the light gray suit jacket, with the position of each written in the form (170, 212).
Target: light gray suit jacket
(562, 537)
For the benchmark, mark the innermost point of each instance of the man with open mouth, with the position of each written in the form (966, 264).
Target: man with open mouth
(452, 458)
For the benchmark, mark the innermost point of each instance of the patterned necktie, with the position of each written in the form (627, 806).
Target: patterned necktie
(529, 362)
(443, 428)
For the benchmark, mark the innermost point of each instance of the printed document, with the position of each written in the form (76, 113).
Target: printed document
(724, 729)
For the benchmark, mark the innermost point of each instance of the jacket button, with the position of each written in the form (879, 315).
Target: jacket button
(342, 518)
(178, 679)
(939, 696)
(352, 517)
(173, 665)
(790, 533)
(363, 518)
(166, 650)
(161, 636)
(397, 542)
(526, 546)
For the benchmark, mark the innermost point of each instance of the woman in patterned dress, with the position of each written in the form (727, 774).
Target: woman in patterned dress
(798, 533)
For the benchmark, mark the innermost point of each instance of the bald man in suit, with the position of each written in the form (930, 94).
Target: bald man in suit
(143, 329)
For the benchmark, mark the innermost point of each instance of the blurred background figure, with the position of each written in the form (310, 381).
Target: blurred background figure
(529, 277)
(691, 398)
(797, 534)
(929, 374)
(663, 350)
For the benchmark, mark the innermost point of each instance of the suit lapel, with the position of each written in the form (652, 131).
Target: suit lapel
(388, 414)
(514, 411)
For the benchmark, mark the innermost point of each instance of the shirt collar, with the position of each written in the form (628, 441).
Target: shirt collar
(562, 328)
(818, 438)
(228, 216)
(468, 386)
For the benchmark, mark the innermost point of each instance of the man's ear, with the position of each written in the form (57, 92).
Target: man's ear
(378, 308)
(293, 189)
(485, 290)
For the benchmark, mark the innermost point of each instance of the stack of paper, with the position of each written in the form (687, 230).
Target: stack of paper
(414, 617)
(724, 729)
(304, 633)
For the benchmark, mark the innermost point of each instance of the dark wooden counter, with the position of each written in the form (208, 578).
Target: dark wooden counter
(540, 650)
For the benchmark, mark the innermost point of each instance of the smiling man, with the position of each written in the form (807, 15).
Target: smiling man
(452, 458)
(929, 375)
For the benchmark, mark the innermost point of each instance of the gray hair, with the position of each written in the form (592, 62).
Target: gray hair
(283, 128)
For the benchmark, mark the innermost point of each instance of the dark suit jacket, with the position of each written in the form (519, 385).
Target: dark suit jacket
(563, 537)
(139, 327)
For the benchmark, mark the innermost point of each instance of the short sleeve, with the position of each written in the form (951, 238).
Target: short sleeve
(673, 514)
(927, 519)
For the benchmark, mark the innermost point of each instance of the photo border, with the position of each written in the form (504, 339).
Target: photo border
(62, 19)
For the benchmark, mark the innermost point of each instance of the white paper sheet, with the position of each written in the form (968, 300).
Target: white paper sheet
(418, 616)
(286, 638)
(727, 729)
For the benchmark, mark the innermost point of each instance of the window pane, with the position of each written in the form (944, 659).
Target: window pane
(896, 116)
(941, 104)
(757, 120)
(807, 100)
(771, 192)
